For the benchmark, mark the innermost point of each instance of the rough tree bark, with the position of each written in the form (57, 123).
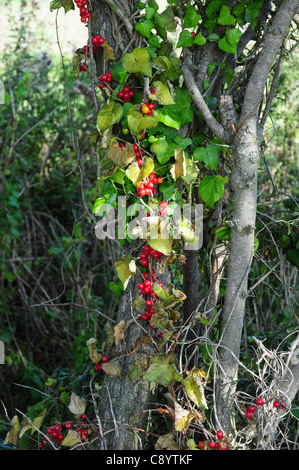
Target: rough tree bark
(246, 154)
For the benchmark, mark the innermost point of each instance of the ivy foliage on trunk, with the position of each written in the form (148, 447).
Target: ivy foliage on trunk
(180, 120)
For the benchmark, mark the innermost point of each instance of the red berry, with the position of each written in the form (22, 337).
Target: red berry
(68, 425)
(276, 404)
(83, 416)
(193, 34)
(126, 96)
(54, 434)
(163, 204)
(135, 147)
(57, 427)
(222, 446)
(150, 112)
(83, 19)
(219, 434)
(83, 67)
(131, 93)
(212, 444)
(126, 89)
(60, 436)
(101, 40)
(140, 162)
(144, 263)
(49, 430)
(140, 286)
(137, 154)
(143, 317)
(101, 85)
(200, 444)
(149, 303)
(251, 408)
(120, 94)
(248, 414)
(259, 401)
(104, 359)
(163, 212)
(103, 77)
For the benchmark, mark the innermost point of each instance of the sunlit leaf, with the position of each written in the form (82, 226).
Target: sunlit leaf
(77, 404)
(125, 270)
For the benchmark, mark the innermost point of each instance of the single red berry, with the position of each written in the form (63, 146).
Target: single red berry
(101, 85)
(193, 34)
(85, 432)
(251, 408)
(54, 434)
(222, 446)
(131, 93)
(212, 444)
(144, 262)
(126, 89)
(109, 75)
(135, 148)
(259, 401)
(40, 446)
(149, 303)
(104, 359)
(163, 212)
(143, 317)
(83, 67)
(137, 154)
(219, 434)
(101, 40)
(248, 414)
(68, 425)
(150, 112)
(276, 404)
(140, 286)
(103, 77)
(60, 436)
(57, 427)
(83, 416)
(200, 444)
(163, 204)
(83, 19)
(126, 96)
(49, 430)
(140, 162)
(120, 94)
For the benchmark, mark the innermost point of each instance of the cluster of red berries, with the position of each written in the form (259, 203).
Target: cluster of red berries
(105, 77)
(56, 435)
(84, 13)
(260, 402)
(126, 94)
(215, 444)
(144, 256)
(99, 365)
(147, 186)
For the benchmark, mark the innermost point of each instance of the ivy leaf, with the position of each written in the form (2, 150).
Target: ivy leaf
(138, 121)
(225, 18)
(183, 417)
(71, 439)
(179, 167)
(109, 114)
(112, 368)
(137, 61)
(92, 350)
(159, 26)
(162, 371)
(191, 18)
(121, 156)
(108, 52)
(199, 39)
(223, 233)
(171, 67)
(77, 404)
(209, 155)
(229, 42)
(163, 150)
(135, 173)
(145, 28)
(194, 389)
(166, 442)
(66, 4)
(211, 188)
(125, 268)
(179, 114)
(185, 39)
(119, 73)
(214, 6)
(191, 171)
(163, 95)
(161, 244)
(168, 18)
(13, 434)
(252, 12)
(76, 66)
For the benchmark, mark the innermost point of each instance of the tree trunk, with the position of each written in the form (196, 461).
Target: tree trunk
(244, 183)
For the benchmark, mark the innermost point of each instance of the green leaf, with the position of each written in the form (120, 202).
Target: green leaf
(66, 4)
(194, 389)
(185, 39)
(200, 40)
(168, 18)
(125, 268)
(159, 26)
(137, 121)
(214, 6)
(161, 244)
(76, 66)
(119, 73)
(252, 12)
(209, 155)
(223, 233)
(109, 114)
(229, 42)
(167, 189)
(163, 95)
(137, 61)
(181, 113)
(191, 18)
(135, 173)
(162, 371)
(163, 150)
(225, 18)
(211, 188)
(154, 41)
(71, 439)
(145, 28)
(171, 67)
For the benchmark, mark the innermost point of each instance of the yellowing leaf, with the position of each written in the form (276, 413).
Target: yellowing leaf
(13, 433)
(112, 368)
(72, 438)
(182, 417)
(166, 442)
(119, 332)
(195, 389)
(162, 245)
(179, 167)
(93, 354)
(77, 404)
(162, 93)
(121, 156)
(108, 52)
(125, 269)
